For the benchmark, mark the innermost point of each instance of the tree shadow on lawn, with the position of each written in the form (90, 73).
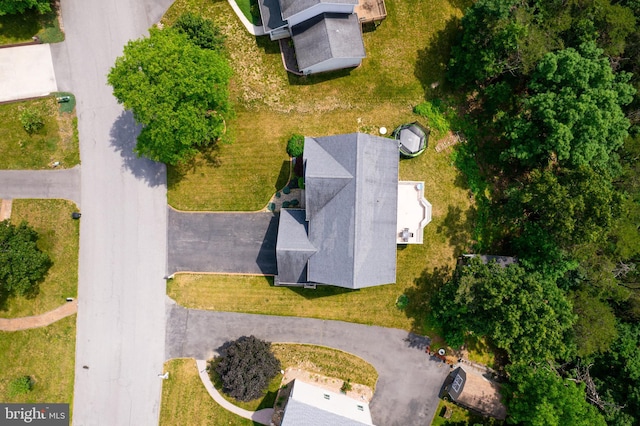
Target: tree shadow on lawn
(431, 66)
(124, 134)
(457, 226)
(419, 303)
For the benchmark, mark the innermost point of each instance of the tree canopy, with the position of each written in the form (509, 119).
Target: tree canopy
(177, 90)
(538, 396)
(246, 368)
(22, 264)
(10, 7)
(521, 311)
(573, 113)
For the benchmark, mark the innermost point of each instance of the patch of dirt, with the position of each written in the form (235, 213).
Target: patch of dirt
(358, 392)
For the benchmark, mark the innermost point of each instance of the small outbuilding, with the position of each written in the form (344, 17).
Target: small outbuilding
(475, 392)
(412, 139)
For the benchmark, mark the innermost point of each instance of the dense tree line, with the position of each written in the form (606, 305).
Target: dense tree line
(554, 134)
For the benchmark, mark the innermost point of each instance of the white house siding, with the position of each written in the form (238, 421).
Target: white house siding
(319, 9)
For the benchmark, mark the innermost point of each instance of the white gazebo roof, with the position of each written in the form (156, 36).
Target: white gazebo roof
(414, 212)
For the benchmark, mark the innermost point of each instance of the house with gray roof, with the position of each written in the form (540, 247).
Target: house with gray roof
(346, 236)
(326, 34)
(310, 405)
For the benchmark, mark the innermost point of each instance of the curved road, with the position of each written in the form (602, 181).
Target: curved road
(409, 380)
(121, 291)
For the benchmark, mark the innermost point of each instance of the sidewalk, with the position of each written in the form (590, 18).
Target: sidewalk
(48, 318)
(261, 416)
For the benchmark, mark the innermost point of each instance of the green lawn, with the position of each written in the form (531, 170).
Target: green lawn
(460, 416)
(271, 104)
(314, 359)
(56, 141)
(47, 355)
(185, 401)
(406, 55)
(22, 27)
(59, 236)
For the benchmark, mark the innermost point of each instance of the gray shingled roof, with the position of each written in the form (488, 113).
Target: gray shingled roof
(353, 228)
(293, 248)
(291, 7)
(300, 414)
(271, 14)
(325, 37)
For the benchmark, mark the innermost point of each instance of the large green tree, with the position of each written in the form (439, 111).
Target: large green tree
(22, 264)
(10, 7)
(572, 114)
(538, 396)
(177, 90)
(522, 312)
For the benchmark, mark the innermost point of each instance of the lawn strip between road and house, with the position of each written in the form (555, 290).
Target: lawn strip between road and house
(59, 238)
(185, 401)
(181, 390)
(45, 354)
(56, 141)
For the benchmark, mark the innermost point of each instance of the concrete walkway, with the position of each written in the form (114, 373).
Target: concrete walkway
(409, 379)
(5, 209)
(48, 318)
(63, 184)
(261, 416)
(26, 72)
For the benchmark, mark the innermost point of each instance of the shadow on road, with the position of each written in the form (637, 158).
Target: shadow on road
(123, 137)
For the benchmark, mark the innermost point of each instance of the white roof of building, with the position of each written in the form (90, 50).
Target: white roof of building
(414, 212)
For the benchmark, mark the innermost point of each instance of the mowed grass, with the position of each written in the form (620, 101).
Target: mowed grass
(185, 401)
(59, 238)
(447, 236)
(56, 141)
(22, 27)
(402, 62)
(47, 355)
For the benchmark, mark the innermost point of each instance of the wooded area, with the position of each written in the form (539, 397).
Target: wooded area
(552, 120)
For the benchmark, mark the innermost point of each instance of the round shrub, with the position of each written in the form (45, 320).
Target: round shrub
(246, 368)
(295, 145)
(20, 386)
(32, 120)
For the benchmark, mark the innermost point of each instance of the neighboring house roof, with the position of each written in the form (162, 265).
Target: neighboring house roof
(271, 14)
(292, 7)
(327, 36)
(310, 405)
(351, 193)
(472, 390)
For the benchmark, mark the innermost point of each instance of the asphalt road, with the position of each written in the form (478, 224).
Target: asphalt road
(121, 312)
(409, 380)
(41, 184)
(222, 242)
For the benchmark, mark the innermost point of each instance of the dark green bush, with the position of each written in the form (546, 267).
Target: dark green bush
(32, 120)
(20, 386)
(295, 145)
(246, 368)
(200, 31)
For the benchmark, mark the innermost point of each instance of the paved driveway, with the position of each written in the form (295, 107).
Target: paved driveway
(26, 72)
(409, 380)
(222, 242)
(41, 184)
